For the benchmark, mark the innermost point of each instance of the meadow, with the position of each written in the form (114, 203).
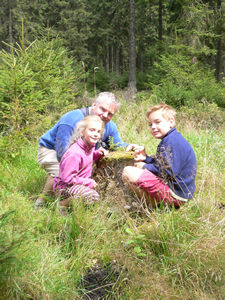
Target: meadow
(138, 254)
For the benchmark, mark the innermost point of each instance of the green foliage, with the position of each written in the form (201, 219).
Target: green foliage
(172, 253)
(33, 80)
(119, 81)
(113, 81)
(9, 243)
(137, 241)
(101, 78)
(185, 83)
(12, 145)
(142, 80)
(205, 115)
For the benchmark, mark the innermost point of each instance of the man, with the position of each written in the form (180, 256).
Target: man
(55, 141)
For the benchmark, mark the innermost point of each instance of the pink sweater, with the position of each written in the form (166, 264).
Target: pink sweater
(76, 166)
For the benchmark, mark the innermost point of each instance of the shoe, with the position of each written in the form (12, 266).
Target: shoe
(38, 204)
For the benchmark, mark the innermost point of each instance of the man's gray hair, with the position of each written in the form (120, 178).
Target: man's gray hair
(109, 97)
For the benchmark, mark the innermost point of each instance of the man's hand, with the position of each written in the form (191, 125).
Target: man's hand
(139, 165)
(139, 152)
(103, 151)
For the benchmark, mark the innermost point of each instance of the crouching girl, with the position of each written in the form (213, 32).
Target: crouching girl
(74, 179)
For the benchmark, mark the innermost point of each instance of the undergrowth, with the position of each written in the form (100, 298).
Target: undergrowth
(159, 254)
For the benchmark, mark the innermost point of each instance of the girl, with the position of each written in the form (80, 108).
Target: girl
(75, 167)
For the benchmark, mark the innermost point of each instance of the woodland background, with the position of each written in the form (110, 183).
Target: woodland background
(125, 39)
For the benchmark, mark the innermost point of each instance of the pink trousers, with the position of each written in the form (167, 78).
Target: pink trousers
(155, 187)
(89, 195)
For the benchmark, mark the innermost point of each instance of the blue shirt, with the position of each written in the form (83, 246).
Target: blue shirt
(58, 137)
(175, 163)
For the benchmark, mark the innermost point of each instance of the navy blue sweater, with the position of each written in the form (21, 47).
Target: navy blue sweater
(175, 163)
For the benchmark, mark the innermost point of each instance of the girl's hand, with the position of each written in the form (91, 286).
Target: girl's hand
(103, 151)
(139, 153)
(95, 184)
(139, 165)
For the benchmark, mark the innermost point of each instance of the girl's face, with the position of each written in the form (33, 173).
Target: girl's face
(92, 133)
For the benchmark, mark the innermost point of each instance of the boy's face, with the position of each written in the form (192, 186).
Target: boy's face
(158, 125)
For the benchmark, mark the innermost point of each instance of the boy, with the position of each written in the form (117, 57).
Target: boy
(168, 177)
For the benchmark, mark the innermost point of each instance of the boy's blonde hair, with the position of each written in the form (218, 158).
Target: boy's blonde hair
(167, 111)
(83, 124)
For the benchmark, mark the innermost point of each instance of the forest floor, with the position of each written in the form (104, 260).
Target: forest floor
(118, 248)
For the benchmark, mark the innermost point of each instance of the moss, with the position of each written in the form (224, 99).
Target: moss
(119, 156)
(110, 168)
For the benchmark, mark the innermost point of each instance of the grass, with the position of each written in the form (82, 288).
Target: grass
(165, 254)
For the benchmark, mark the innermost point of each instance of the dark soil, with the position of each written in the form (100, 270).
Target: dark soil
(100, 282)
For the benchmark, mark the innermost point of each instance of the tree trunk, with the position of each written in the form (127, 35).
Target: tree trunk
(160, 21)
(122, 61)
(219, 43)
(112, 57)
(132, 56)
(117, 61)
(10, 26)
(141, 59)
(107, 54)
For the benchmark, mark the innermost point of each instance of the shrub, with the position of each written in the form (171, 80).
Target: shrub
(12, 144)
(101, 80)
(119, 81)
(9, 243)
(184, 83)
(203, 115)
(34, 80)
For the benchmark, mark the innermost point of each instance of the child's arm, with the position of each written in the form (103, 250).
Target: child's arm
(139, 165)
(99, 153)
(103, 151)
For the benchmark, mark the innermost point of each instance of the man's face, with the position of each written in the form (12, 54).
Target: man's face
(104, 110)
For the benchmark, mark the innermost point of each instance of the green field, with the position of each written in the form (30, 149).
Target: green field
(137, 254)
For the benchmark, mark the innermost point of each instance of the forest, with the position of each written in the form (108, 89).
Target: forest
(131, 42)
(56, 56)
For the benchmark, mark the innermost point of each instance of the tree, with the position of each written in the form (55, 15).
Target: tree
(219, 42)
(132, 53)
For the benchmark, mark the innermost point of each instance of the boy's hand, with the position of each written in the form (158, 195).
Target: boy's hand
(140, 154)
(103, 151)
(139, 165)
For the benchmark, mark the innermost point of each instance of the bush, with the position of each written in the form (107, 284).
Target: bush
(8, 246)
(119, 81)
(34, 80)
(12, 144)
(101, 80)
(203, 115)
(184, 83)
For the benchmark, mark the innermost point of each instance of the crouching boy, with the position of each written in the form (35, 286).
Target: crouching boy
(169, 176)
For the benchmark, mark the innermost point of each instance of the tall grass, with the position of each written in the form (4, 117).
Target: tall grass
(163, 254)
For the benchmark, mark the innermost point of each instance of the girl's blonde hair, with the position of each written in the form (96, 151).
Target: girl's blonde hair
(167, 111)
(83, 124)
